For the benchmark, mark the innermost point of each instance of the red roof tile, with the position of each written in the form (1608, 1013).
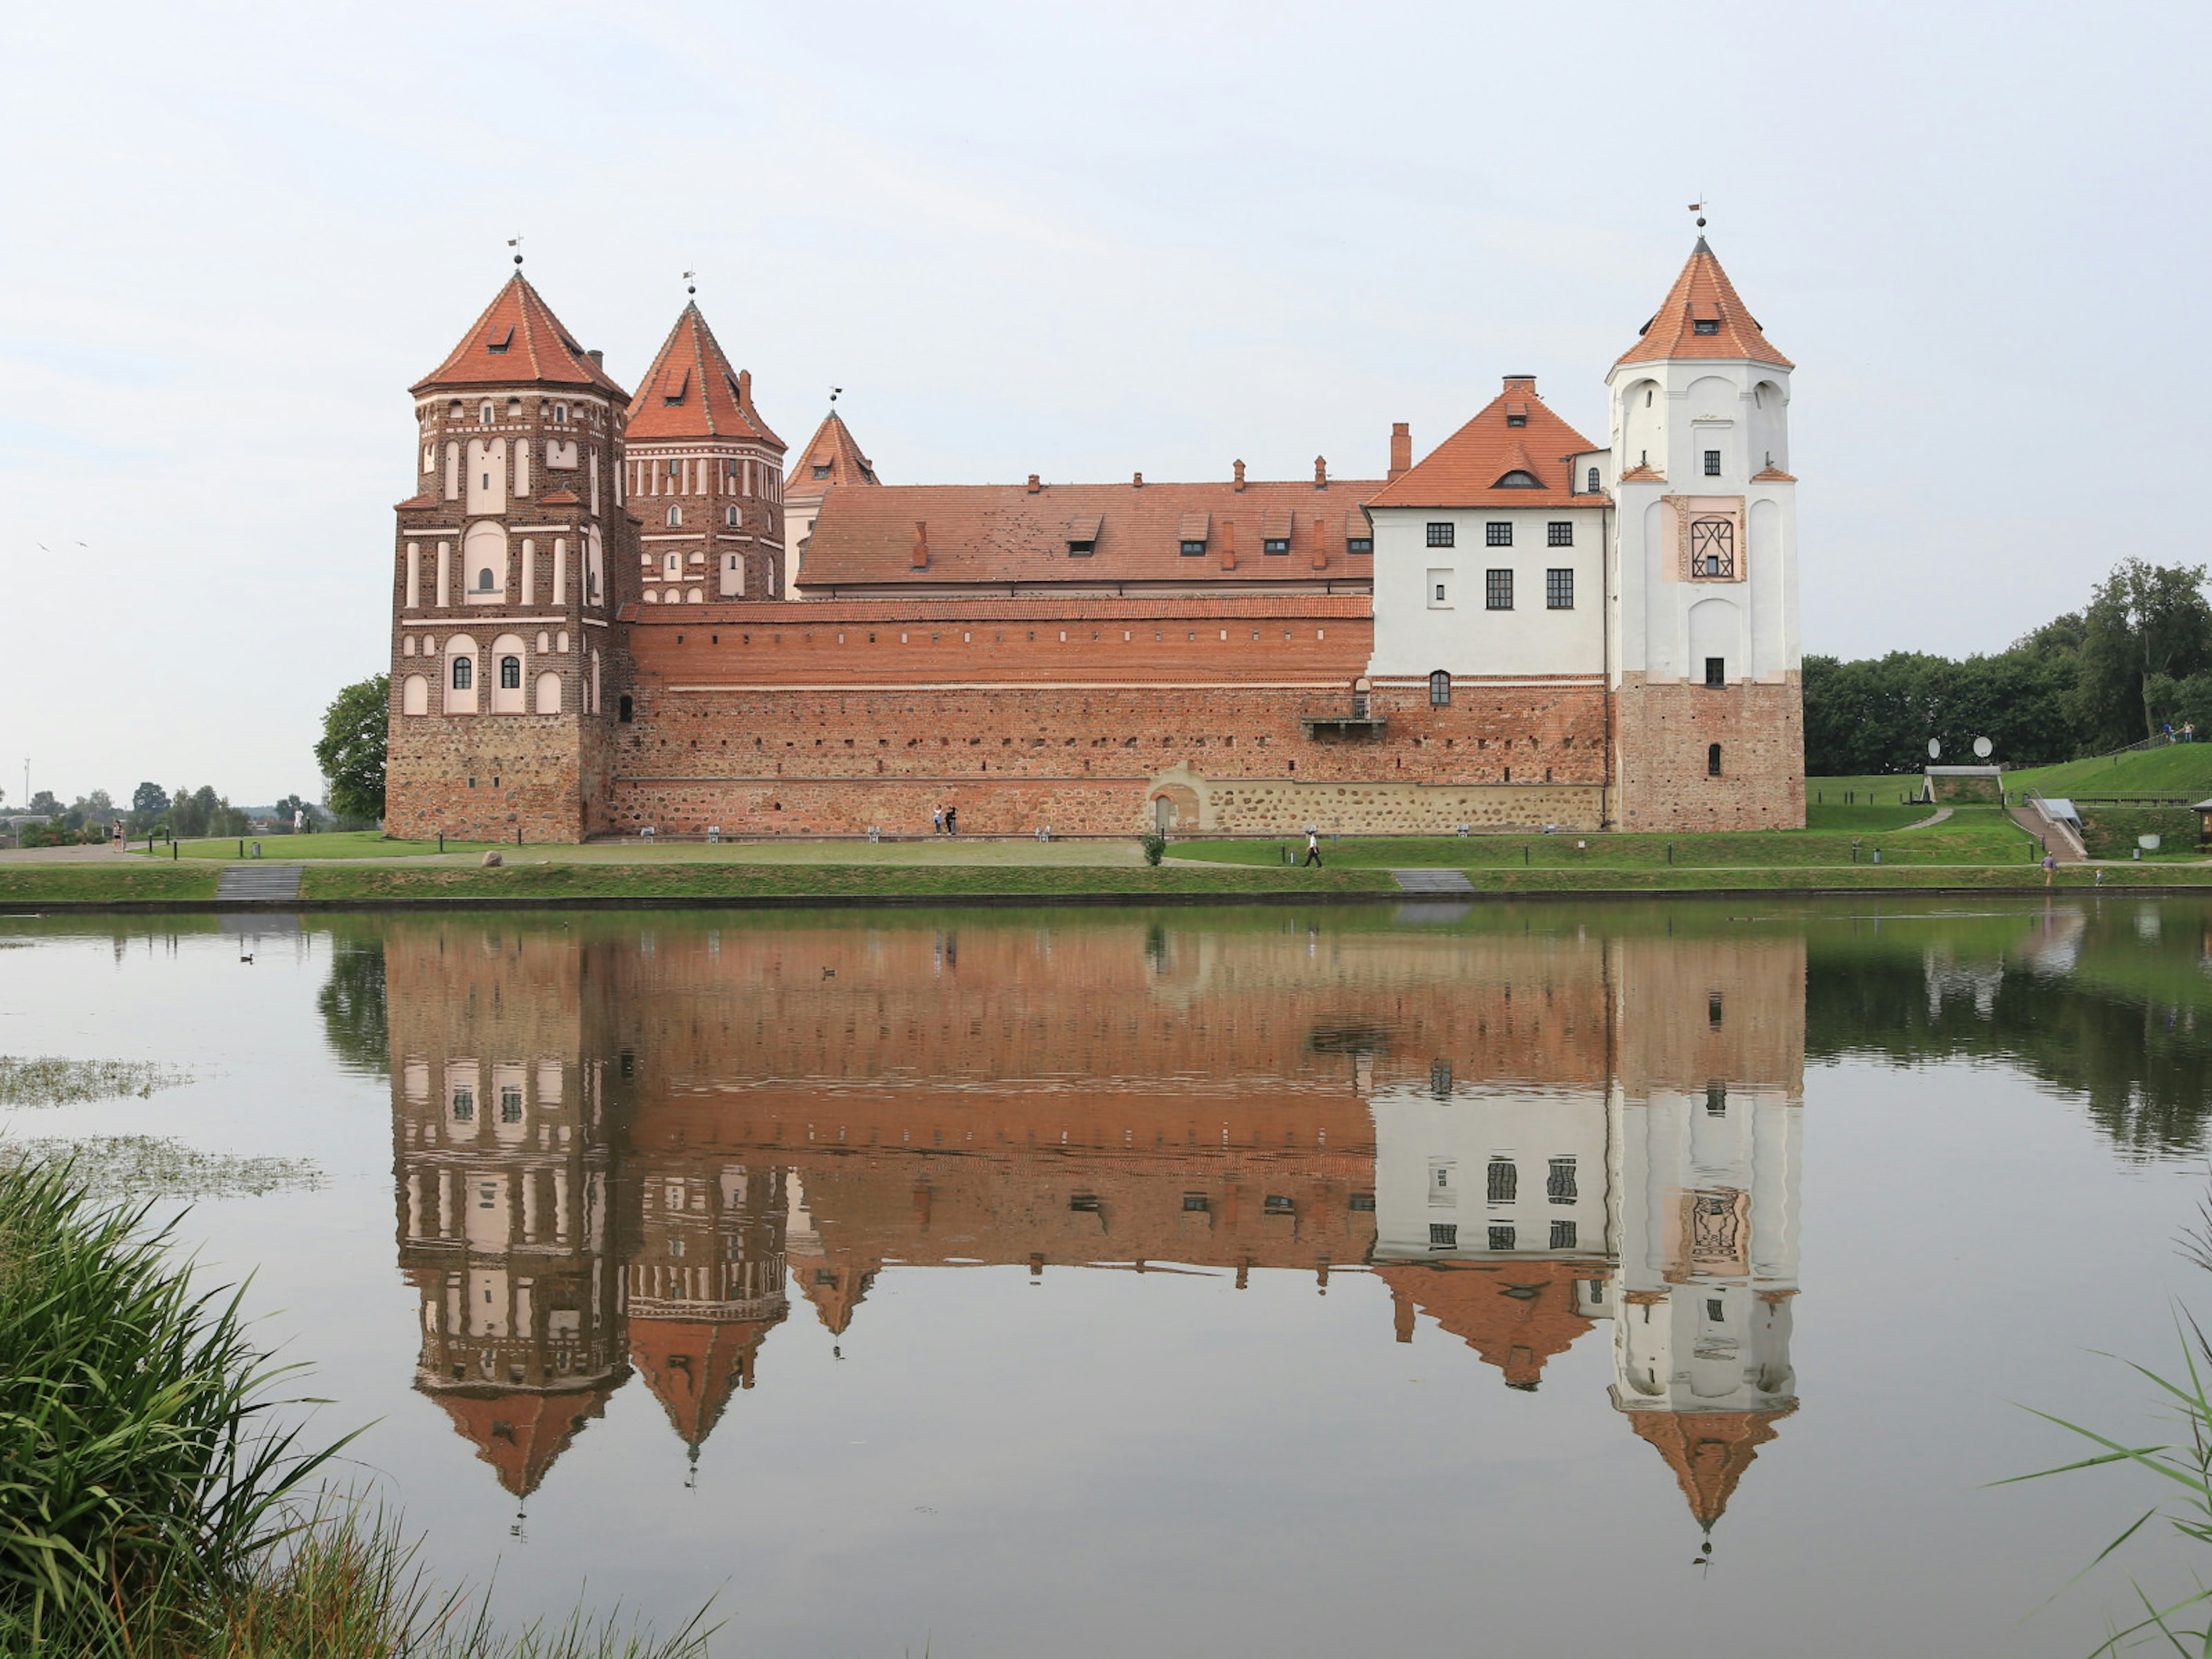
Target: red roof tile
(1008, 533)
(1703, 294)
(1708, 1451)
(1465, 469)
(692, 391)
(517, 342)
(832, 447)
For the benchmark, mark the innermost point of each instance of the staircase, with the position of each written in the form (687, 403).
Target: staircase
(265, 881)
(1432, 881)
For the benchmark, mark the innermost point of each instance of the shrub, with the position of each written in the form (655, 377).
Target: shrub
(1156, 846)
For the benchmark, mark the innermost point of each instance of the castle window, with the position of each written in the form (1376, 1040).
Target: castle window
(1360, 543)
(821, 471)
(1497, 535)
(1712, 760)
(1561, 532)
(1563, 1234)
(675, 518)
(514, 408)
(1712, 548)
(1444, 1235)
(1192, 549)
(510, 1104)
(1716, 1099)
(464, 673)
(1560, 1181)
(453, 409)
(1502, 1180)
(1516, 419)
(1501, 1238)
(1558, 589)
(1593, 481)
(1440, 690)
(486, 582)
(1705, 326)
(1361, 1203)
(730, 517)
(465, 1105)
(624, 710)
(483, 416)
(1442, 535)
(510, 673)
(1081, 549)
(1716, 672)
(1195, 1203)
(1497, 590)
(1275, 544)
(1712, 464)
(560, 414)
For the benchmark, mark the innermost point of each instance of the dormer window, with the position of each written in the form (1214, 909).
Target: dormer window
(821, 470)
(1193, 550)
(499, 339)
(1081, 549)
(1360, 543)
(1518, 479)
(1275, 544)
(1593, 481)
(1705, 326)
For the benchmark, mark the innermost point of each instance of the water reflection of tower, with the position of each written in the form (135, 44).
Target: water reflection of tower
(705, 1282)
(504, 1168)
(1708, 1124)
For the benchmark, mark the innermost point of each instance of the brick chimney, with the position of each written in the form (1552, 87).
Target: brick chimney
(1136, 480)
(1228, 533)
(921, 544)
(1402, 449)
(1240, 475)
(1521, 383)
(1320, 472)
(1034, 485)
(598, 356)
(745, 388)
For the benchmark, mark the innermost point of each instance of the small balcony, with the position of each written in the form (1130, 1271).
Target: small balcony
(1346, 716)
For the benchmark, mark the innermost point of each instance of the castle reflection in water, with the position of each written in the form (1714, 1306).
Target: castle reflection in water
(624, 1150)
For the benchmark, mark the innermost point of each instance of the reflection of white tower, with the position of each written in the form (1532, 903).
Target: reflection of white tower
(1707, 1231)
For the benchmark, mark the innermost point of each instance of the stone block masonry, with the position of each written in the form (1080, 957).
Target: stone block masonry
(1693, 758)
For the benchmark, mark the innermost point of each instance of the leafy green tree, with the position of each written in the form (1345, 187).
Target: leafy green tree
(352, 749)
(290, 806)
(2146, 629)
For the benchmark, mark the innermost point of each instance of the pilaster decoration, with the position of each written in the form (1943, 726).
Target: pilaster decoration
(1708, 538)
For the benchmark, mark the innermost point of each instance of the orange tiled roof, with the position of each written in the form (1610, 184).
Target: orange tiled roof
(1703, 294)
(1007, 533)
(694, 1365)
(517, 341)
(1464, 470)
(1708, 1451)
(692, 391)
(832, 447)
(1516, 1317)
(520, 1432)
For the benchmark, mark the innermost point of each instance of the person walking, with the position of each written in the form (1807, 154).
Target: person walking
(2050, 868)
(937, 821)
(1312, 848)
(951, 820)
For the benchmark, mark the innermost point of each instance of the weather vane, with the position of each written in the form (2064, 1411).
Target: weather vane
(515, 242)
(834, 391)
(690, 286)
(1698, 207)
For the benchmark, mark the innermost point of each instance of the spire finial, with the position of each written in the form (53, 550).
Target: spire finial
(835, 392)
(1698, 207)
(515, 242)
(690, 286)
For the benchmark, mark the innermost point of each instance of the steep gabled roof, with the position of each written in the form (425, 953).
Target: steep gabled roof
(694, 1365)
(520, 1432)
(832, 446)
(692, 391)
(1708, 1451)
(1466, 468)
(1515, 1318)
(1703, 294)
(517, 342)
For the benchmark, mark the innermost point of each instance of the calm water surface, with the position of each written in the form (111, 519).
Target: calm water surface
(1069, 1283)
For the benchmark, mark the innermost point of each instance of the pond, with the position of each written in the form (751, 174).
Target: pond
(1568, 1277)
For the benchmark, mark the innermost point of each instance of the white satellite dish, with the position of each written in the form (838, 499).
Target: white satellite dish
(1982, 747)
(1935, 748)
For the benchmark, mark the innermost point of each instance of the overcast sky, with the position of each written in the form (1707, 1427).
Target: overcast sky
(1079, 240)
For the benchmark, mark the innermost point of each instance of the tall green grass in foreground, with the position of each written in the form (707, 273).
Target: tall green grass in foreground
(151, 1506)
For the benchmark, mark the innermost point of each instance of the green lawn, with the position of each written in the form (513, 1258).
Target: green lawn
(1973, 836)
(2181, 768)
(104, 883)
(565, 880)
(336, 844)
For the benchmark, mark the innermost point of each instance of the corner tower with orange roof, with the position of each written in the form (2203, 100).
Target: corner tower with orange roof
(829, 459)
(705, 476)
(511, 562)
(1709, 719)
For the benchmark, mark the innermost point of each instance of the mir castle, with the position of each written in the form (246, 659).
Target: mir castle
(628, 1158)
(616, 610)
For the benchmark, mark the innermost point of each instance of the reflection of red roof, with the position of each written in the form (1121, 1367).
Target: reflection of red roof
(691, 391)
(1708, 1451)
(1466, 469)
(694, 1365)
(835, 1291)
(1516, 1315)
(517, 341)
(1703, 294)
(520, 1432)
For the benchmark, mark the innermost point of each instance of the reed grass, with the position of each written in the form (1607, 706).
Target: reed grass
(154, 1503)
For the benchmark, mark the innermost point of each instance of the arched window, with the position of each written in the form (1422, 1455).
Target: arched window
(671, 567)
(1440, 690)
(464, 673)
(1712, 760)
(483, 414)
(510, 673)
(560, 414)
(549, 693)
(514, 408)
(730, 517)
(486, 583)
(1518, 479)
(1593, 481)
(675, 516)
(453, 409)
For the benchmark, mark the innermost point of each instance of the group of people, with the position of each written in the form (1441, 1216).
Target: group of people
(945, 821)
(2187, 734)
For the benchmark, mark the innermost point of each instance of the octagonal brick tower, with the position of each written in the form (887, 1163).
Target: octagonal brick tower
(511, 563)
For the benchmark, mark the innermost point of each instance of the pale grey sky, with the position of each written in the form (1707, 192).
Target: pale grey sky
(1075, 240)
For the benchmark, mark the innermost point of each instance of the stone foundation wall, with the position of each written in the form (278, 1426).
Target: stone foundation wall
(484, 777)
(1662, 737)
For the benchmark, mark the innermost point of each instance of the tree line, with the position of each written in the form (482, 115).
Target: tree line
(2134, 661)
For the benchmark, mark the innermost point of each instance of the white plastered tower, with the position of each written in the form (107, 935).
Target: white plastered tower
(1709, 726)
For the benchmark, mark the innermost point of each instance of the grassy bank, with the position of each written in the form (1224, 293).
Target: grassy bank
(106, 883)
(657, 881)
(149, 1507)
